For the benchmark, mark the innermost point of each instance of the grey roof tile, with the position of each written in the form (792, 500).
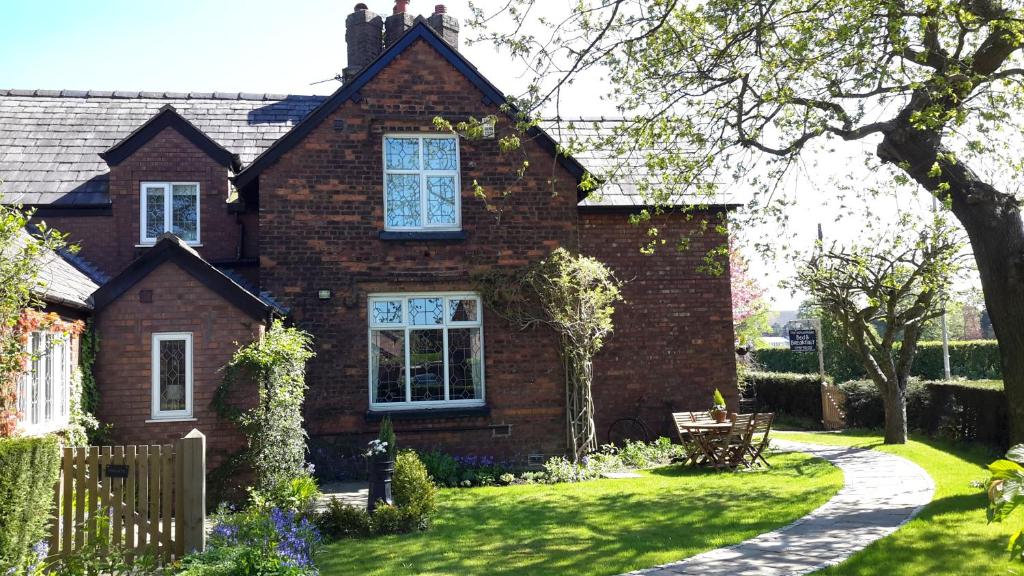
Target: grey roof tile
(59, 281)
(50, 140)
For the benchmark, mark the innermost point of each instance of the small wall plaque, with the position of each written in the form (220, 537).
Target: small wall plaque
(116, 471)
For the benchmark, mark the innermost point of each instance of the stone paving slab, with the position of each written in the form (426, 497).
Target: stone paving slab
(880, 493)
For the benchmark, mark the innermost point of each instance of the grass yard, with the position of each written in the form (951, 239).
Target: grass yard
(951, 535)
(596, 527)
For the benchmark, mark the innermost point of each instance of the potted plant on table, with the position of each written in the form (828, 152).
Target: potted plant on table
(380, 455)
(718, 411)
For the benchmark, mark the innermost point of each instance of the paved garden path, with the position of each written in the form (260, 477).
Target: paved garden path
(880, 493)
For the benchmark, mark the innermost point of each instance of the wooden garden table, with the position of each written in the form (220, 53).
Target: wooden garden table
(704, 434)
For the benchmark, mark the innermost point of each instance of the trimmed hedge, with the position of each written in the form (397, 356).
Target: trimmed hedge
(971, 359)
(28, 471)
(958, 410)
(797, 395)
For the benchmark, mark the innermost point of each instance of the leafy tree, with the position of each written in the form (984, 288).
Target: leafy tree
(722, 89)
(899, 282)
(749, 310)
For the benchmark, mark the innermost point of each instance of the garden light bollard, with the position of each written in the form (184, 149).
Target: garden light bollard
(381, 472)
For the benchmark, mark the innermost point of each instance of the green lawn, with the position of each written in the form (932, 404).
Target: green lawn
(951, 535)
(597, 527)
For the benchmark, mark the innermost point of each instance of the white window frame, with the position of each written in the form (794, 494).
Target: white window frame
(424, 174)
(156, 413)
(409, 327)
(36, 423)
(168, 210)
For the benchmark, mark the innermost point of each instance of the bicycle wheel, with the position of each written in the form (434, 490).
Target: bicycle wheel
(627, 429)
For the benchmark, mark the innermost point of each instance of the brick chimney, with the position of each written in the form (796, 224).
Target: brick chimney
(446, 26)
(396, 25)
(363, 35)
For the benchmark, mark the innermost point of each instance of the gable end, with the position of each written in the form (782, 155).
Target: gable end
(168, 117)
(172, 249)
(351, 91)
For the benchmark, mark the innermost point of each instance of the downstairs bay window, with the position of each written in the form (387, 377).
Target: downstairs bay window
(426, 351)
(46, 386)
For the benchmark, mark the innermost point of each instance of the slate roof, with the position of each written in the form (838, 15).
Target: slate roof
(59, 281)
(50, 140)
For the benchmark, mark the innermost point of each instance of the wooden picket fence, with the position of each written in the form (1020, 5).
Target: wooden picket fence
(132, 500)
(833, 407)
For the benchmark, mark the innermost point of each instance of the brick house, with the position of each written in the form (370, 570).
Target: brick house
(202, 216)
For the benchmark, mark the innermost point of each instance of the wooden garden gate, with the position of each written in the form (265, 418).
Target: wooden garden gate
(132, 499)
(833, 407)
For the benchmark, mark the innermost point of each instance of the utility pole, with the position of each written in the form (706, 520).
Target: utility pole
(945, 331)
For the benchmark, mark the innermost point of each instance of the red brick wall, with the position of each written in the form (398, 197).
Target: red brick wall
(123, 365)
(321, 209)
(111, 242)
(673, 338)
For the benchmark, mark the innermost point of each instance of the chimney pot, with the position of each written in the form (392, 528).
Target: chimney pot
(401, 6)
(363, 30)
(446, 26)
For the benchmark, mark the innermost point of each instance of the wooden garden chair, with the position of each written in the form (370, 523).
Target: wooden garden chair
(761, 427)
(731, 447)
(694, 453)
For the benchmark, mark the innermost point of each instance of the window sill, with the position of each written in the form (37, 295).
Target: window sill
(424, 235)
(162, 420)
(428, 413)
(150, 245)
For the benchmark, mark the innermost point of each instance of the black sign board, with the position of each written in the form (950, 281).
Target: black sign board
(803, 340)
(116, 471)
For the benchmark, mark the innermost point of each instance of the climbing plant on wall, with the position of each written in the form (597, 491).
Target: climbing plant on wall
(276, 363)
(575, 296)
(19, 274)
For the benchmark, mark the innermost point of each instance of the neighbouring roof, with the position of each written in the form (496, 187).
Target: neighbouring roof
(170, 248)
(59, 281)
(51, 140)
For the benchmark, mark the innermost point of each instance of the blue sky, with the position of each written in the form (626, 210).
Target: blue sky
(188, 45)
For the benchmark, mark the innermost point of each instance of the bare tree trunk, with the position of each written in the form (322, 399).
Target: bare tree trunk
(894, 399)
(993, 223)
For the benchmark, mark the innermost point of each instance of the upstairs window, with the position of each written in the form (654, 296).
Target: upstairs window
(170, 207)
(421, 183)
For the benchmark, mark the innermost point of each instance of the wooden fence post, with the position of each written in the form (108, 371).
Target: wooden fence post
(190, 493)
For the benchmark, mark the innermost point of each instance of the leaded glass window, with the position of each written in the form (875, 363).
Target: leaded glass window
(172, 375)
(426, 350)
(170, 207)
(46, 386)
(421, 182)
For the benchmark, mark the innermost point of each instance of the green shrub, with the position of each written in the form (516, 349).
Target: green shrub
(959, 410)
(971, 359)
(795, 395)
(649, 454)
(28, 471)
(341, 520)
(299, 495)
(413, 489)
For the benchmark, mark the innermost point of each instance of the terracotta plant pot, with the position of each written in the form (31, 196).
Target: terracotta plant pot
(719, 415)
(381, 472)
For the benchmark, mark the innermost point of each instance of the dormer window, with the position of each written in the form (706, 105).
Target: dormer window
(169, 207)
(421, 183)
